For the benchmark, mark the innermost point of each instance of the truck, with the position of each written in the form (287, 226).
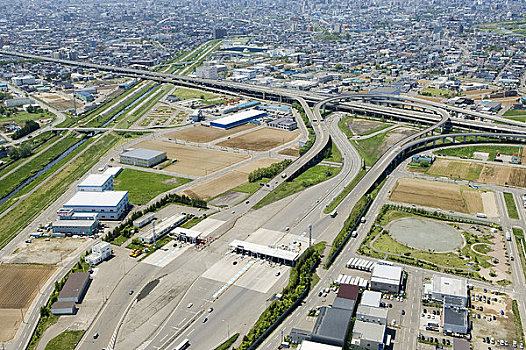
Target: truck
(508, 236)
(481, 215)
(362, 220)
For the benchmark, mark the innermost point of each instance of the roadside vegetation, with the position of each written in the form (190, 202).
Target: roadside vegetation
(300, 283)
(510, 206)
(370, 149)
(343, 194)
(66, 340)
(269, 172)
(308, 125)
(228, 343)
(514, 112)
(468, 151)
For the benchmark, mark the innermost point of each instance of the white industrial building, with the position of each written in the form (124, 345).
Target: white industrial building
(100, 252)
(142, 157)
(368, 335)
(206, 72)
(114, 171)
(387, 279)
(371, 298)
(144, 220)
(237, 119)
(96, 183)
(449, 290)
(23, 80)
(371, 314)
(69, 222)
(161, 229)
(110, 205)
(311, 345)
(187, 235)
(264, 252)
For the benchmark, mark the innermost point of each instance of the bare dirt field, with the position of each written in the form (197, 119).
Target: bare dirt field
(205, 134)
(41, 251)
(435, 194)
(263, 139)
(292, 151)
(223, 183)
(194, 161)
(18, 286)
(20, 283)
(489, 173)
(363, 126)
(56, 101)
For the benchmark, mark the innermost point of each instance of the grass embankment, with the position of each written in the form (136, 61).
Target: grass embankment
(31, 206)
(16, 178)
(517, 317)
(300, 280)
(519, 239)
(154, 96)
(341, 196)
(308, 178)
(66, 340)
(510, 206)
(143, 186)
(36, 144)
(100, 119)
(308, 125)
(228, 344)
(514, 112)
(370, 149)
(468, 151)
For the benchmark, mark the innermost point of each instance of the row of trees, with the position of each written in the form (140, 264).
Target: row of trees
(28, 128)
(300, 280)
(268, 172)
(23, 151)
(126, 228)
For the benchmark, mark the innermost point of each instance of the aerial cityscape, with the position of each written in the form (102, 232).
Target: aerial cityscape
(274, 174)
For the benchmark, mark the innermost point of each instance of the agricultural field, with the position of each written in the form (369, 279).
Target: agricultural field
(471, 151)
(194, 161)
(205, 134)
(18, 286)
(226, 182)
(443, 196)
(488, 173)
(163, 115)
(263, 139)
(143, 186)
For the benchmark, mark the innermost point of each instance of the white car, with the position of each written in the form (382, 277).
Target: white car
(190, 305)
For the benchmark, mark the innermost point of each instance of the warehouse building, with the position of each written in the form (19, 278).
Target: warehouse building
(331, 326)
(237, 119)
(110, 205)
(347, 297)
(449, 290)
(114, 171)
(187, 235)
(144, 220)
(100, 252)
(279, 256)
(96, 183)
(64, 308)
(76, 227)
(284, 124)
(387, 279)
(368, 335)
(142, 157)
(371, 298)
(75, 287)
(371, 314)
(161, 229)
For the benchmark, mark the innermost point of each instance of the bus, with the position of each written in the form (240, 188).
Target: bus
(185, 344)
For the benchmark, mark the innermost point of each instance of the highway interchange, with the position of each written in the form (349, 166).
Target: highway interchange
(300, 211)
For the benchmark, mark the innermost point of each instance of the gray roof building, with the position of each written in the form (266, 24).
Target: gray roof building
(75, 287)
(331, 326)
(456, 320)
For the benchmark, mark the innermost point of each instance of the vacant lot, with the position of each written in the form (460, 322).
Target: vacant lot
(45, 252)
(372, 148)
(56, 101)
(261, 140)
(436, 195)
(142, 186)
(489, 173)
(364, 126)
(194, 161)
(204, 134)
(223, 183)
(292, 151)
